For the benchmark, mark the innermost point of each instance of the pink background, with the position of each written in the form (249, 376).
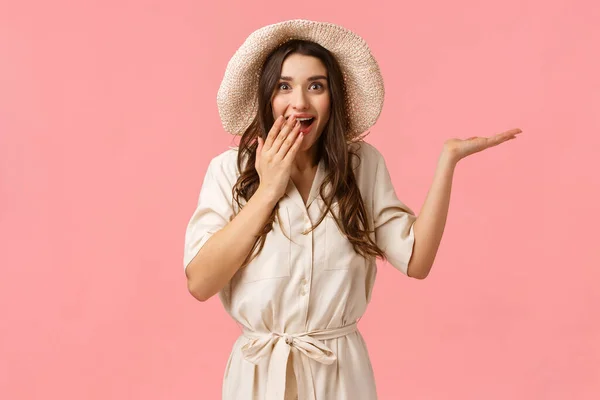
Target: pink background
(108, 119)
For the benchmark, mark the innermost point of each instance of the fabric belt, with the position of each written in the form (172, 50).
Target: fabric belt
(280, 345)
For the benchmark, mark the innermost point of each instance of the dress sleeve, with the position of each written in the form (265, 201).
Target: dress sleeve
(393, 220)
(213, 211)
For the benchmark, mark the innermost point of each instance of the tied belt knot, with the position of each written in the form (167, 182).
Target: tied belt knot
(307, 345)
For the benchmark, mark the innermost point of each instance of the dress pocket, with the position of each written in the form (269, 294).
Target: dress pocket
(340, 254)
(274, 260)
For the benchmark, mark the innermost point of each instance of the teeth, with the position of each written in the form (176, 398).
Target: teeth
(303, 119)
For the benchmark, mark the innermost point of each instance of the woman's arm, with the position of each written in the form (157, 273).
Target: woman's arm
(225, 251)
(429, 225)
(223, 254)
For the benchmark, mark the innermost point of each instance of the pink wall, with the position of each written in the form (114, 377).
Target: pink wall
(108, 120)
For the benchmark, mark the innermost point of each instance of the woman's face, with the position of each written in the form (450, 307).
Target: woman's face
(303, 89)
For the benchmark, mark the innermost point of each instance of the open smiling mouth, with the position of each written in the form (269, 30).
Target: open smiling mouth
(306, 124)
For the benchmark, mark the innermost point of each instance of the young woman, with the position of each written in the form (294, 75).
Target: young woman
(289, 223)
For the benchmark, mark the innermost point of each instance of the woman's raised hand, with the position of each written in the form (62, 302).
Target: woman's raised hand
(274, 156)
(457, 149)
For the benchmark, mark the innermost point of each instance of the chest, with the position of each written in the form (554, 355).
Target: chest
(294, 255)
(304, 184)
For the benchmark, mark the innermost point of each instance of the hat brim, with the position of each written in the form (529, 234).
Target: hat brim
(237, 95)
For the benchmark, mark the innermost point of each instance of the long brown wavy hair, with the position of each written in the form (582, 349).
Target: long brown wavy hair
(333, 148)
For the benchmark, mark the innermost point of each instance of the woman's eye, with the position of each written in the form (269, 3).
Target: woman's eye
(284, 86)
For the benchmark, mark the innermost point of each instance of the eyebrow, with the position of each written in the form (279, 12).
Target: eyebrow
(312, 78)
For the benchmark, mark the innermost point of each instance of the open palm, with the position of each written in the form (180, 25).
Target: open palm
(461, 148)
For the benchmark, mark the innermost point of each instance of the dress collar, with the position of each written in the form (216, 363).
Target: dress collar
(294, 195)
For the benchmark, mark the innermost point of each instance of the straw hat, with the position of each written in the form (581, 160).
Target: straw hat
(237, 95)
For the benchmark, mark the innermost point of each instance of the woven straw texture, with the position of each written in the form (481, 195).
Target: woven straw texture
(237, 95)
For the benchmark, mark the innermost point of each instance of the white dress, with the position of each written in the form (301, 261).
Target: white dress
(299, 301)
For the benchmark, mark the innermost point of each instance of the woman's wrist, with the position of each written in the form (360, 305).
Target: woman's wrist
(266, 196)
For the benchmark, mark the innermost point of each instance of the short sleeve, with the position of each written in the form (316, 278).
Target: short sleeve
(393, 220)
(214, 208)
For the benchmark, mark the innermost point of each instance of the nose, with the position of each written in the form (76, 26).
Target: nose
(299, 101)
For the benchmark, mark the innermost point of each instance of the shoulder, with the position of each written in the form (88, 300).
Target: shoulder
(366, 162)
(224, 165)
(369, 157)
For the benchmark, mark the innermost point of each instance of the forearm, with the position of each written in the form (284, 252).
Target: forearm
(223, 254)
(431, 221)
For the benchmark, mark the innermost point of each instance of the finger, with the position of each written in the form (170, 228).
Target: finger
(279, 122)
(289, 141)
(508, 134)
(514, 131)
(494, 140)
(291, 154)
(511, 134)
(285, 131)
(258, 151)
(285, 126)
(259, 147)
